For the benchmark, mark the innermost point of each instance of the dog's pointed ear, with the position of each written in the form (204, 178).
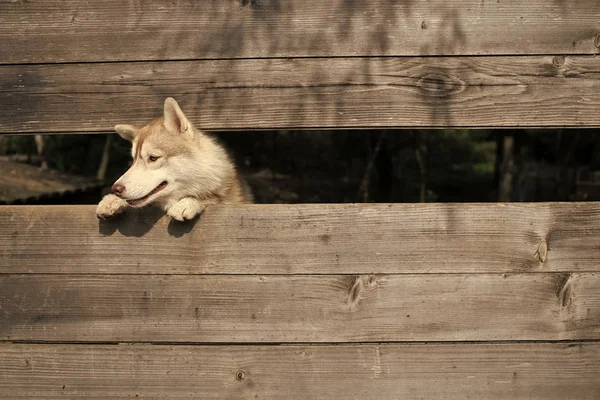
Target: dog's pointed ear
(127, 132)
(175, 119)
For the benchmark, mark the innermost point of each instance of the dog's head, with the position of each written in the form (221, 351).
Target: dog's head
(166, 159)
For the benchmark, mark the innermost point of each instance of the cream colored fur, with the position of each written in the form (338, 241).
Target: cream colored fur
(197, 170)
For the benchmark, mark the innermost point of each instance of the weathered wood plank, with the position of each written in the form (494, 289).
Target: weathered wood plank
(536, 371)
(304, 239)
(73, 30)
(540, 91)
(300, 308)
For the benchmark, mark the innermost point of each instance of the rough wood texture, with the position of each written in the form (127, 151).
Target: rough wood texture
(73, 30)
(304, 239)
(276, 309)
(536, 371)
(537, 91)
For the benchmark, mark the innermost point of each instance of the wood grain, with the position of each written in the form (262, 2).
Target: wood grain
(306, 239)
(293, 309)
(533, 371)
(113, 30)
(539, 91)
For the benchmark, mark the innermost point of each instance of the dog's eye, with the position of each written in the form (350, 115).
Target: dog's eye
(153, 158)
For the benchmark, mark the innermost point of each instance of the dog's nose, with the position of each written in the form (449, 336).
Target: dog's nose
(118, 189)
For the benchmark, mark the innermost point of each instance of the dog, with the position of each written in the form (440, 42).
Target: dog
(175, 166)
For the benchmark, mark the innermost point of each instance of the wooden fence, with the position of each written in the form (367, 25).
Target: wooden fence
(446, 301)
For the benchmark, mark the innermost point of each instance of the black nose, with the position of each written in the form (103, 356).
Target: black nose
(118, 189)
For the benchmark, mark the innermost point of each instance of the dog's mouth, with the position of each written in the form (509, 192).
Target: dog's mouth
(136, 202)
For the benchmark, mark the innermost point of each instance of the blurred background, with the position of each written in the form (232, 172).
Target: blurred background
(332, 166)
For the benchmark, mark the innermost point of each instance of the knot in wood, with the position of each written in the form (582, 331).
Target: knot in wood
(563, 290)
(597, 40)
(359, 285)
(439, 84)
(240, 375)
(542, 251)
(558, 61)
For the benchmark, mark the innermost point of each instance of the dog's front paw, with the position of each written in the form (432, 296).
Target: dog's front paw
(109, 206)
(185, 209)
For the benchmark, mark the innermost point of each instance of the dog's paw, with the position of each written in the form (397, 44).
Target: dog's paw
(185, 209)
(109, 206)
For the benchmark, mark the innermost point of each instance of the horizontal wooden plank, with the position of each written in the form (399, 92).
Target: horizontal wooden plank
(300, 308)
(536, 371)
(72, 30)
(305, 239)
(540, 91)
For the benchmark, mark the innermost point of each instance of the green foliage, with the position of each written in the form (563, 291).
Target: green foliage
(22, 144)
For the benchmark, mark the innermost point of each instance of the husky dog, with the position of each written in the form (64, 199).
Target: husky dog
(175, 166)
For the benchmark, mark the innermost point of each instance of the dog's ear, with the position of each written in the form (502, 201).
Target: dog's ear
(175, 119)
(127, 132)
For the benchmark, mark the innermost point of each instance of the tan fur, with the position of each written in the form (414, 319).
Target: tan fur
(194, 168)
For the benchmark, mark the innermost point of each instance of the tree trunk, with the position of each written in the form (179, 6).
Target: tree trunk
(421, 153)
(363, 189)
(385, 174)
(101, 174)
(506, 163)
(41, 141)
